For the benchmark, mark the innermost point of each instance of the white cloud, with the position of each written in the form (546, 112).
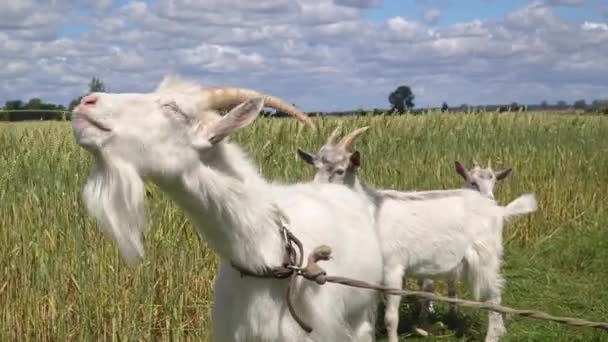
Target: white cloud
(319, 54)
(402, 29)
(591, 26)
(431, 16)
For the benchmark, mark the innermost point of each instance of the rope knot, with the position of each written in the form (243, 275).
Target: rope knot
(313, 271)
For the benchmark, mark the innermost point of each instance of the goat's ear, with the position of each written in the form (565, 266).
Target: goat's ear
(503, 174)
(305, 156)
(239, 117)
(355, 159)
(461, 170)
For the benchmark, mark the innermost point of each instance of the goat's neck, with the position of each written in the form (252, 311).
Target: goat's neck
(232, 207)
(353, 181)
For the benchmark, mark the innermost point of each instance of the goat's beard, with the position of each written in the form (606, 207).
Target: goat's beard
(114, 195)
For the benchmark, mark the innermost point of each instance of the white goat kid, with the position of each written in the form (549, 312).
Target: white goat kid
(441, 234)
(175, 138)
(478, 179)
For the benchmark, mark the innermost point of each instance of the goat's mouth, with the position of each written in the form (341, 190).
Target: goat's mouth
(81, 118)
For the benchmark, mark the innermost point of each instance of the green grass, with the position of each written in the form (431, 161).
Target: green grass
(61, 280)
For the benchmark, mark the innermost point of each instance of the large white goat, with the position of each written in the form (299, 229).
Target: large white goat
(441, 234)
(175, 138)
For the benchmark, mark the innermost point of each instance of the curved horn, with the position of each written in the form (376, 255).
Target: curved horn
(331, 140)
(347, 142)
(475, 163)
(489, 163)
(229, 97)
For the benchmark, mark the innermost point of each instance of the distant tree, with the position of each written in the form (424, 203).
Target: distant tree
(13, 105)
(580, 104)
(401, 98)
(96, 85)
(74, 103)
(562, 104)
(34, 103)
(444, 107)
(600, 106)
(599, 103)
(544, 104)
(514, 106)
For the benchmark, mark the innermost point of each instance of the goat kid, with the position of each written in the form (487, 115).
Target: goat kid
(440, 234)
(176, 138)
(478, 179)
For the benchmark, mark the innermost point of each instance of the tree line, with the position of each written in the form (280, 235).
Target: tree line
(401, 101)
(36, 109)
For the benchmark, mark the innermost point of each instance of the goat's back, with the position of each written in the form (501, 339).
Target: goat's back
(431, 236)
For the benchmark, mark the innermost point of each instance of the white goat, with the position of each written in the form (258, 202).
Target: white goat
(441, 234)
(175, 138)
(482, 180)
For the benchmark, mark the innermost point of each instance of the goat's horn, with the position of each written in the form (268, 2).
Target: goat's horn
(347, 142)
(475, 163)
(331, 140)
(489, 163)
(229, 97)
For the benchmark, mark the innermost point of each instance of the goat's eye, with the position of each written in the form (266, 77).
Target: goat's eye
(340, 171)
(175, 109)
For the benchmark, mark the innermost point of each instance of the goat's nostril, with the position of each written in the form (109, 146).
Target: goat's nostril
(89, 100)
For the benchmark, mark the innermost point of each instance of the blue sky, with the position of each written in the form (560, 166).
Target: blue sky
(320, 54)
(454, 12)
(451, 13)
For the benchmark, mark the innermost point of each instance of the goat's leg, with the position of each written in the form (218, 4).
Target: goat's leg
(496, 326)
(426, 306)
(393, 278)
(487, 287)
(452, 292)
(365, 333)
(365, 325)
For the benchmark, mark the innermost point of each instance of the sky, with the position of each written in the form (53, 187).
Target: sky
(321, 55)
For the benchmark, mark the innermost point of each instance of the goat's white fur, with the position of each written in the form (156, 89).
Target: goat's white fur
(234, 208)
(440, 234)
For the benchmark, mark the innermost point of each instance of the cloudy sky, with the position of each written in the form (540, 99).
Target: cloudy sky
(319, 54)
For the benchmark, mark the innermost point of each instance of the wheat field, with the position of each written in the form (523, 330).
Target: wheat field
(61, 280)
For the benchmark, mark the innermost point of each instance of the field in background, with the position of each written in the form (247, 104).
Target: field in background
(61, 280)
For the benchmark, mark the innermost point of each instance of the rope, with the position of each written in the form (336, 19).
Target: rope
(292, 268)
(540, 315)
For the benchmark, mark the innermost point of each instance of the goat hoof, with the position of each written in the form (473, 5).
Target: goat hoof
(421, 332)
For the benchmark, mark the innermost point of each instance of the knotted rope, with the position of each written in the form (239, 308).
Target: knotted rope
(292, 268)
